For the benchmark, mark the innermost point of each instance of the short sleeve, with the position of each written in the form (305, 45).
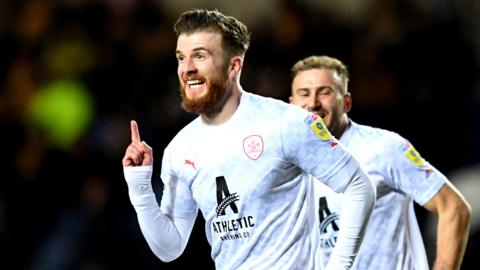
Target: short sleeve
(412, 174)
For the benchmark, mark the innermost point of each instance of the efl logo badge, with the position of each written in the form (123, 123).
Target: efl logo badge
(253, 146)
(413, 155)
(315, 122)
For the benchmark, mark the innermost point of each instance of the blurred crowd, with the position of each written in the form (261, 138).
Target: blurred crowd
(74, 72)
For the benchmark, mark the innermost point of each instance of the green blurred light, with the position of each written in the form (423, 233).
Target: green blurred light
(63, 110)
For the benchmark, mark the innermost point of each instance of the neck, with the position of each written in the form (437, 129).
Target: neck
(344, 123)
(228, 109)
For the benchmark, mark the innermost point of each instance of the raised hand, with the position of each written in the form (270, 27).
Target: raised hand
(138, 153)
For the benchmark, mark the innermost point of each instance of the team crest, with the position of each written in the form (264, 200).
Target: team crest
(253, 146)
(315, 122)
(412, 154)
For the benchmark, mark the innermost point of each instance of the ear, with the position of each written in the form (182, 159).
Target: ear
(290, 99)
(236, 64)
(347, 102)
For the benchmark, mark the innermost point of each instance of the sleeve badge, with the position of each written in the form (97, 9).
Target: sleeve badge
(412, 154)
(315, 123)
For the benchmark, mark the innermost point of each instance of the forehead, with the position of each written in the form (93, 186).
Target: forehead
(313, 78)
(199, 39)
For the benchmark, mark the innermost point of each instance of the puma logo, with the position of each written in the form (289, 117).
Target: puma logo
(192, 163)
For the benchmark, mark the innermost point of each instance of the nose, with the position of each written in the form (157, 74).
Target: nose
(187, 66)
(313, 102)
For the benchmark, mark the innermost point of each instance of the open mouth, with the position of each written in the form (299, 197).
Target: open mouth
(319, 113)
(195, 83)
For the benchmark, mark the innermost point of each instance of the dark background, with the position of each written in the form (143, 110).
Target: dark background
(73, 73)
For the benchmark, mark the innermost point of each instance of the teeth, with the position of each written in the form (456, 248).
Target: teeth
(192, 82)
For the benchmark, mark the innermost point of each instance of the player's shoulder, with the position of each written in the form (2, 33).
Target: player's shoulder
(265, 105)
(383, 139)
(273, 111)
(183, 138)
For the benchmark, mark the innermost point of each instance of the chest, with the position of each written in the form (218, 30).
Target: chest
(236, 165)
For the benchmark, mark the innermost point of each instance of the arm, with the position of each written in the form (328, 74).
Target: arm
(319, 154)
(453, 226)
(359, 201)
(167, 236)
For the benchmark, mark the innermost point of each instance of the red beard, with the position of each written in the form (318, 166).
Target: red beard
(212, 102)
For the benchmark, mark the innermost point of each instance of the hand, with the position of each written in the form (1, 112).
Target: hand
(138, 153)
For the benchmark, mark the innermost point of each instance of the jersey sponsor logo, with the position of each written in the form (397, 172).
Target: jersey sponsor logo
(227, 201)
(315, 122)
(328, 225)
(412, 154)
(230, 228)
(253, 146)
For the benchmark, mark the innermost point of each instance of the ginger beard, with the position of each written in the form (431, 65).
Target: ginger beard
(210, 103)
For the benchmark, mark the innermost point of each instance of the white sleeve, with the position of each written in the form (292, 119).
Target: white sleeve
(314, 149)
(408, 172)
(166, 236)
(319, 154)
(359, 200)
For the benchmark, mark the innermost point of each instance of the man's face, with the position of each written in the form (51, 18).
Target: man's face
(316, 91)
(202, 71)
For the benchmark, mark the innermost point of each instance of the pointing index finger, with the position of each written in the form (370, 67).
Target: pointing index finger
(135, 132)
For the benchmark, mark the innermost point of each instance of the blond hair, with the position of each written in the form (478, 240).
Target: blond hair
(340, 70)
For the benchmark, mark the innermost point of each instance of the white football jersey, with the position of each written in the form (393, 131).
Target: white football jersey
(401, 176)
(245, 176)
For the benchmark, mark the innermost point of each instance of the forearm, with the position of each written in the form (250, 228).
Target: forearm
(166, 237)
(452, 235)
(359, 201)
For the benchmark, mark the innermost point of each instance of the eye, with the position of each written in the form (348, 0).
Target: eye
(180, 58)
(303, 93)
(326, 91)
(200, 56)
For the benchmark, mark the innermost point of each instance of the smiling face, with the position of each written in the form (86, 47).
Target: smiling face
(315, 90)
(202, 71)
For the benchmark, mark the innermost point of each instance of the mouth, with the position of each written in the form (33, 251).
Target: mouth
(195, 88)
(195, 84)
(319, 113)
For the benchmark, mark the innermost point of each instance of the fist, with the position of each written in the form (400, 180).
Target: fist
(138, 153)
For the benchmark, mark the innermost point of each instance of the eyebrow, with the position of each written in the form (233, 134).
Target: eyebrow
(196, 50)
(315, 88)
(325, 87)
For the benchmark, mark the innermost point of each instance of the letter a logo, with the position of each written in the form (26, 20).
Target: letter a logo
(326, 216)
(228, 200)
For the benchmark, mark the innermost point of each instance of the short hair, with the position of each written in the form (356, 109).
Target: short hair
(341, 75)
(236, 37)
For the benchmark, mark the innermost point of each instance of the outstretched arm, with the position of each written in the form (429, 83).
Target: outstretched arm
(453, 226)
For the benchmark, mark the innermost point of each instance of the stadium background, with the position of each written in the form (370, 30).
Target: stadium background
(74, 72)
